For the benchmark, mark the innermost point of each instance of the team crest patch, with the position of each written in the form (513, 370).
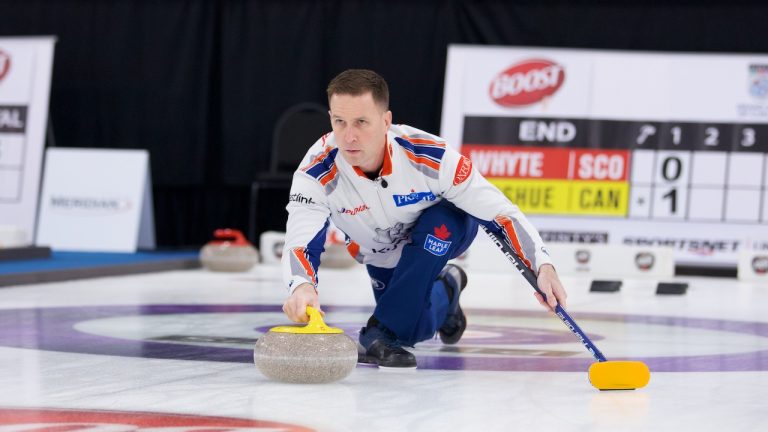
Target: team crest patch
(435, 246)
(438, 244)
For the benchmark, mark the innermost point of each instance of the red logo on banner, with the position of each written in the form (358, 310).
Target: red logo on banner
(527, 82)
(5, 64)
(462, 171)
(21, 419)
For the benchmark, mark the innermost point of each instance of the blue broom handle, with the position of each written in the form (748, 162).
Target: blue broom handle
(531, 278)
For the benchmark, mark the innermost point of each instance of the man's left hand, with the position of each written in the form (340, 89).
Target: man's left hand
(551, 286)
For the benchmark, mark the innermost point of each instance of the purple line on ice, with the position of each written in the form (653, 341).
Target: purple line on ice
(52, 329)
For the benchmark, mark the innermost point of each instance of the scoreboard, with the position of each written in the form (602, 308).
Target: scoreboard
(671, 171)
(617, 147)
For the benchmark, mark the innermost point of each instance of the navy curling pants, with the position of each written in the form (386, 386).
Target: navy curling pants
(409, 300)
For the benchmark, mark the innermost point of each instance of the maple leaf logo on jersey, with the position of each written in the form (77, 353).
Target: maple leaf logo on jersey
(442, 232)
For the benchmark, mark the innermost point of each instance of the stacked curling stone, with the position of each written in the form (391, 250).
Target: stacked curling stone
(336, 254)
(311, 354)
(229, 251)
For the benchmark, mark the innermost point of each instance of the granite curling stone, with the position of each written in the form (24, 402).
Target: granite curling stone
(336, 255)
(229, 251)
(311, 354)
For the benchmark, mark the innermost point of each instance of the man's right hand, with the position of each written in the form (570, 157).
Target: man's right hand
(296, 306)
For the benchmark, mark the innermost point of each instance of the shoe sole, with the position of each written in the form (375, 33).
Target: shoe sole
(460, 333)
(367, 360)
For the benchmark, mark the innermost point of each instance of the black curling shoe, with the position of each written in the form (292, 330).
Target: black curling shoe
(383, 348)
(455, 280)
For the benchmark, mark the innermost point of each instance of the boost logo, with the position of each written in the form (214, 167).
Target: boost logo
(527, 82)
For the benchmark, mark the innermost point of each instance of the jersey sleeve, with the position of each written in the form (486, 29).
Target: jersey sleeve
(308, 220)
(466, 188)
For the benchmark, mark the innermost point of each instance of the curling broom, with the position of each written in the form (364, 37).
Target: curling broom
(605, 374)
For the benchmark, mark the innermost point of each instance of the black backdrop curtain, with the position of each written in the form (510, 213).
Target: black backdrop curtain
(200, 83)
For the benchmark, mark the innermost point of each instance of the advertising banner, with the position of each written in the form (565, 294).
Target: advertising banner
(638, 149)
(25, 82)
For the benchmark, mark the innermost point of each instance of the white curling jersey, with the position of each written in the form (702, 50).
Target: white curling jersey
(376, 216)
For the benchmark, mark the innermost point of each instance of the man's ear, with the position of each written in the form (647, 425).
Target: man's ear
(388, 118)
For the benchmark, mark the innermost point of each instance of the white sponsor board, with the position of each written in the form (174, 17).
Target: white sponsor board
(25, 82)
(96, 200)
(645, 148)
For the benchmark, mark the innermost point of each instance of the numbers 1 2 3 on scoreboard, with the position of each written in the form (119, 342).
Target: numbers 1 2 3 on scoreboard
(624, 169)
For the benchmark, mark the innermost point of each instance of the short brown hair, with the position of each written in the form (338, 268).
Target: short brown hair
(356, 82)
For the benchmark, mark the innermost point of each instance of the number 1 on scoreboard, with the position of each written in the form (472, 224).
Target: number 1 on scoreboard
(671, 184)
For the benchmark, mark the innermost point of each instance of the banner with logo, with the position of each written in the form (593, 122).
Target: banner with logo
(96, 200)
(25, 82)
(596, 260)
(643, 149)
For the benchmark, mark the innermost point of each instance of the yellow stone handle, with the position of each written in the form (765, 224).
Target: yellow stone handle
(316, 325)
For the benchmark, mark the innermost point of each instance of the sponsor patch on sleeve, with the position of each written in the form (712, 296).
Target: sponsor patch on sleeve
(463, 170)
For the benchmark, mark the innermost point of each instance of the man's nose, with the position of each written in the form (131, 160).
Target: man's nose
(349, 135)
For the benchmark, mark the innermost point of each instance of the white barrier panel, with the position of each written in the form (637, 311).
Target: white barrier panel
(96, 200)
(271, 246)
(25, 81)
(753, 265)
(581, 258)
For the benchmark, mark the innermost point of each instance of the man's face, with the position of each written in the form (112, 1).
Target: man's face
(360, 126)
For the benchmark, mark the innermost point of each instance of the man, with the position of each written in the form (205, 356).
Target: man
(407, 204)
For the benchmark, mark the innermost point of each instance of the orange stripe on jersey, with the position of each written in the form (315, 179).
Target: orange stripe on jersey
(422, 160)
(359, 172)
(386, 168)
(318, 158)
(353, 249)
(330, 176)
(509, 230)
(424, 141)
(299, 254)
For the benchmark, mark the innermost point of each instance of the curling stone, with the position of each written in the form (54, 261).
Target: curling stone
(229, 251)
(311, 354)
(336, 255)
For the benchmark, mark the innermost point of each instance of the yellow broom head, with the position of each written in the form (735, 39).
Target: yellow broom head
(619, 375)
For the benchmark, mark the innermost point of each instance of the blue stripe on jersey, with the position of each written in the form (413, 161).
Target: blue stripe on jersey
(323, 166)
(432, 152)
(316, 246)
